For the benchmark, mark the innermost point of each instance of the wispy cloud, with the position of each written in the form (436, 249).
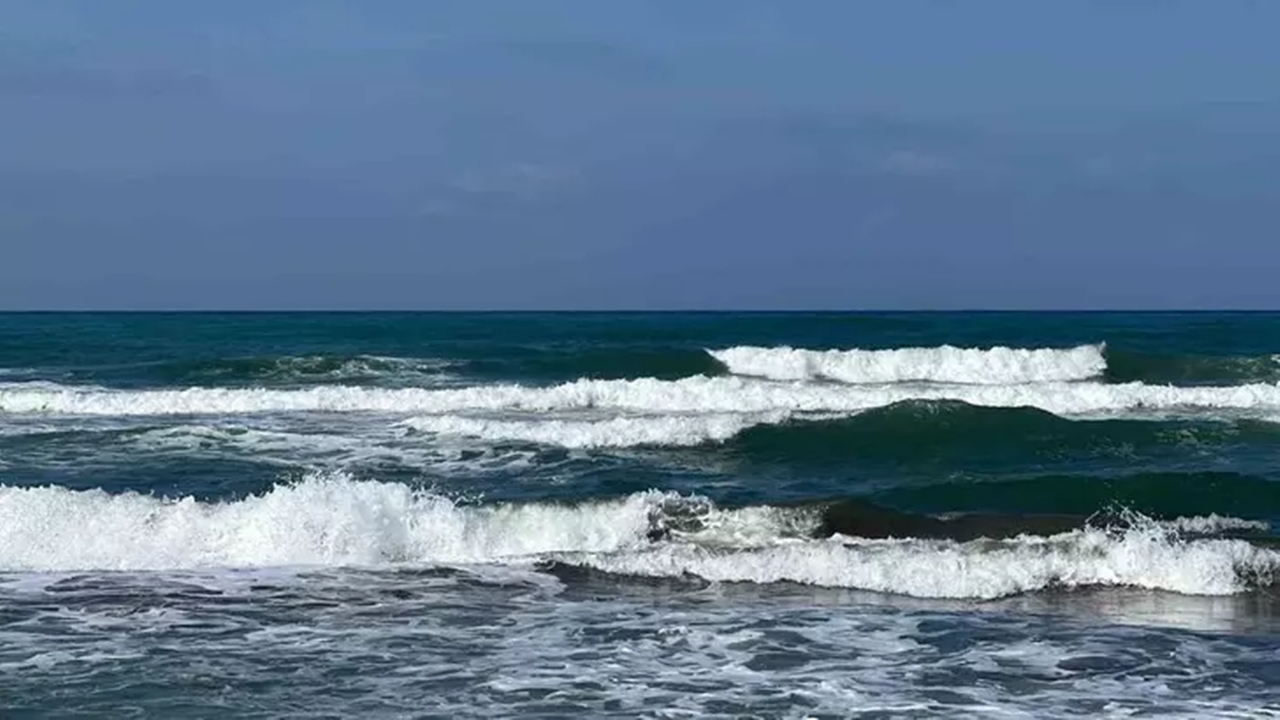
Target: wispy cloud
(915, 163)
(611, 59)
(35, 78)
(510, 184)
(523, 180)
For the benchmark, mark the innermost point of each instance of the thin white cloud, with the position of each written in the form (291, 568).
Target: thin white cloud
(34, 78)
(524, 180)
(914, 163)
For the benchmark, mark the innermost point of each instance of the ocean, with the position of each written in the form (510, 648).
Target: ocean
(640, 515)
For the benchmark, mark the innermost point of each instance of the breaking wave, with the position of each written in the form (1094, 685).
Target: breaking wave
(946, 364)
(337, 521)
(690, 395)
(1144, 558)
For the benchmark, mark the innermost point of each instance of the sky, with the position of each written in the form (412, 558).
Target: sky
(668, 154)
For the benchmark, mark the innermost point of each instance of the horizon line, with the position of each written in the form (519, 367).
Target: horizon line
(618, 311)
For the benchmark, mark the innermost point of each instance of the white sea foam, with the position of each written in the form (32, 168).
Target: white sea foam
(363, 367)
(195, 438)
(1144, 558)
(632, 431)
(1209, 524)
(336, 521)
(946, 364)
(377, 445)
(642, 396)
(321, 521)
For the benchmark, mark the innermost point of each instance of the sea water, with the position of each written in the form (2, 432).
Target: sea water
(631, 515)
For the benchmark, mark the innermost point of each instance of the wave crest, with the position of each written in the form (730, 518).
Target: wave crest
(945, 364)
(326, 521)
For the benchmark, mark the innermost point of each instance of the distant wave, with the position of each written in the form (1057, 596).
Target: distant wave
(336, 521)
(996, 365)
(539, 366)
(304, 369)
(701, 395)
(946, 364)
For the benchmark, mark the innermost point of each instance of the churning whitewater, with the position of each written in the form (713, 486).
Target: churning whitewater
(338, 522)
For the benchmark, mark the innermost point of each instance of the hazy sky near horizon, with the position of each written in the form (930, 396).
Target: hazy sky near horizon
(652, 155)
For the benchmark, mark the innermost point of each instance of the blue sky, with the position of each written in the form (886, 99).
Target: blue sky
(650, 155)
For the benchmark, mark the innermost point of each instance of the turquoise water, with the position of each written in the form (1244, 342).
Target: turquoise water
(639, 514)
